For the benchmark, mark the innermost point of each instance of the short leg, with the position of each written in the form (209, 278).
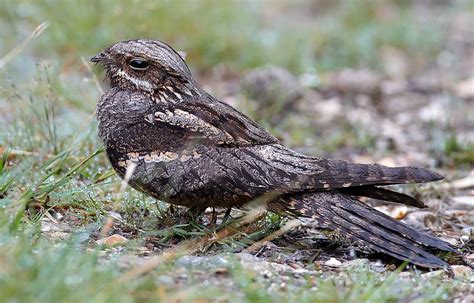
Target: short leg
(226, 215)
(213, 220)
(195, 211)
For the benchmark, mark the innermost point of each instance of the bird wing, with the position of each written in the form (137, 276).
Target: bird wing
(320, 173)
(227, 127)
(214, 121)
(220, 174)
(253, 158)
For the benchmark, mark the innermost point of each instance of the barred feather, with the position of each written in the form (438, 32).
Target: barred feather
(359, 222)
(190, 149)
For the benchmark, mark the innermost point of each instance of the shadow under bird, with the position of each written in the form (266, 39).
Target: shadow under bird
(188, 148)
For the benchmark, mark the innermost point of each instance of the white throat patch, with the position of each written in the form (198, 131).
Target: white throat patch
(137, 82)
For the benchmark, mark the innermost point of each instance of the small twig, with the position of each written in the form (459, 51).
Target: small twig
(288, 227)
(20, 47)
(87, 120)
(94, 78)
(16, 152)
(191, 246)
(110, 219)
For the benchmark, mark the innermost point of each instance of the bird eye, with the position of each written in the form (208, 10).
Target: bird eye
(138, 64)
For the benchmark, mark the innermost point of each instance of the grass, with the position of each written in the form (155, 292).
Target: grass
(35, 270)
(459, 152)
(52, 162)
(351, 33)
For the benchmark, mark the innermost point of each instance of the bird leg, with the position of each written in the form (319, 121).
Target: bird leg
(226, 215)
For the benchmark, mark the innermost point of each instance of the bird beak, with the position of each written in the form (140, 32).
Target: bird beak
(99, 57)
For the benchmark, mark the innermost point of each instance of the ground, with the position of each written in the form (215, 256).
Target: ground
(368, 81)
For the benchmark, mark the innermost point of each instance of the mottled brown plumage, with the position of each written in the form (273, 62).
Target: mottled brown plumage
(190, 149)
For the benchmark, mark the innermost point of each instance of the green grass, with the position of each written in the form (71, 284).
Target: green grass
(35, 270)
(460, 152)
(350, 33)
(52, 161)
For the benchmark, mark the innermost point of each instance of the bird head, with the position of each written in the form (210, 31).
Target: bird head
(145, 65)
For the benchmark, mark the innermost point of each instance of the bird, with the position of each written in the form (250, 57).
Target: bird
(181, 145)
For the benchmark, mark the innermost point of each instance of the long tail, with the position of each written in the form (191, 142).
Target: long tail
(359, 222)
(382, 194)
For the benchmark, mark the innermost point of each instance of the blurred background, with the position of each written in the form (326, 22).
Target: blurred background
(344, 78)
(369, 81)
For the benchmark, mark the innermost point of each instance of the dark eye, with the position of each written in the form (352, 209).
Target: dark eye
(138, 64)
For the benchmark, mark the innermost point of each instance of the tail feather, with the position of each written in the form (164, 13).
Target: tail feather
(400, 248)
(296, 171)
(361, 223)
(383, 194)
(383, 239)
(339, 174)
(384, 221)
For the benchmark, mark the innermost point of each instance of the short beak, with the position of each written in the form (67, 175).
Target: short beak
(99, 57)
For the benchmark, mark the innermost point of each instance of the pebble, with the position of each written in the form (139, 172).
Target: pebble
(203, 263)
(354, 81)
(467, 299)
(433, 274)
(463, 203)
(60, 235)
(450, 240)
(333, 262)
(356, 263)
(461, 271)
(164, 279)
(112, 240)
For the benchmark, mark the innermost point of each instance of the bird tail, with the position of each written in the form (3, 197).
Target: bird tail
(357, 221)
(382, 194)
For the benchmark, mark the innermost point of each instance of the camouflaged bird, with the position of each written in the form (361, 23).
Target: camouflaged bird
(188, 148)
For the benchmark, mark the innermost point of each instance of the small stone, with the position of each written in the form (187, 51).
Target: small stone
(433, 274)
(112, 240)
(356, 263)
(466, 299)
(433, 112)
(295, 265)
(301, 271)
(164, 279)
(272, 84)
(58, 216)
(421, 219)
(333, 262)
(461, 271)
(48, 226)
(60, 235)
(463, 203)
(465, 89)
(261, 266)
(467, 231)
(464, 183)
(221, 271)
(398, 212)
(328, 110)
(450, 240)
(356, 81)
(203, 263)
(405, 274)
(115, 215)
(143, 251)
(470, 257)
